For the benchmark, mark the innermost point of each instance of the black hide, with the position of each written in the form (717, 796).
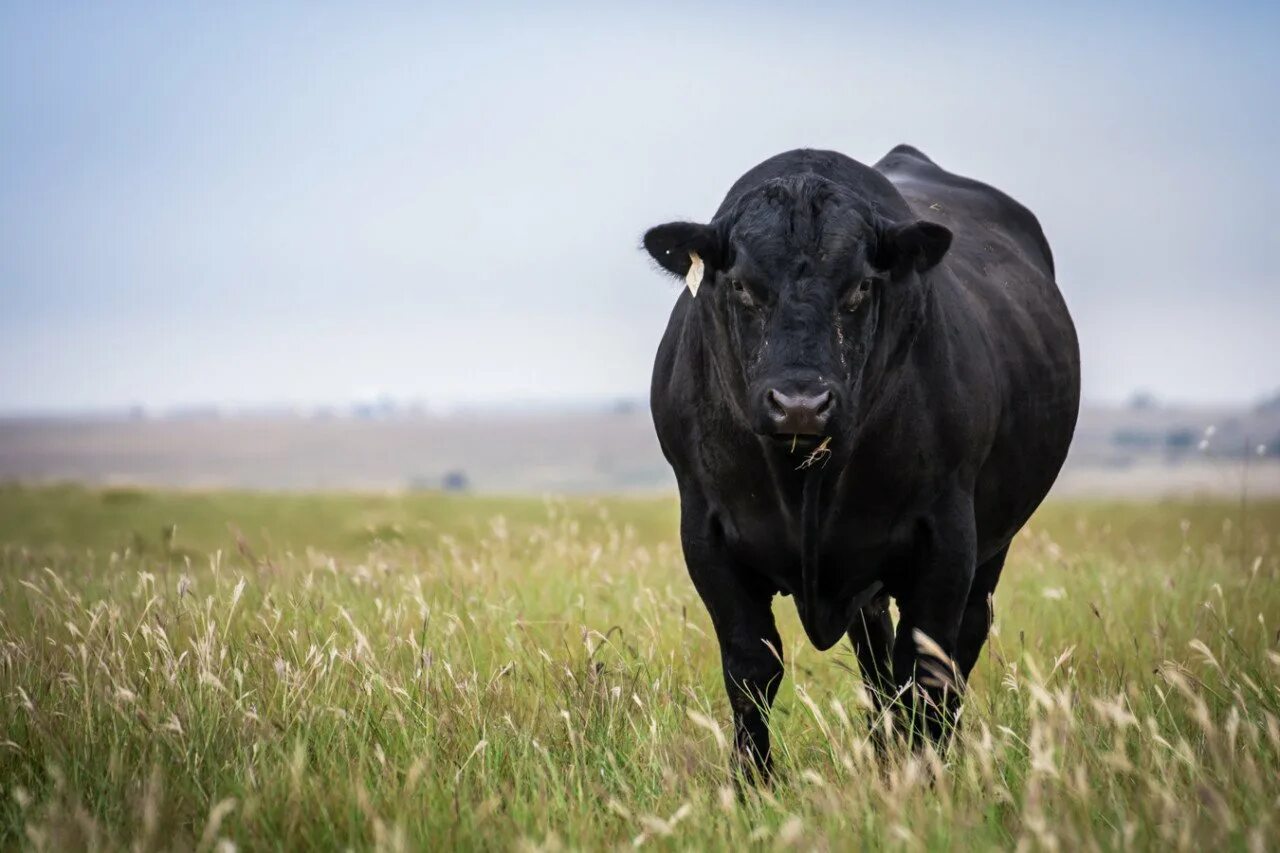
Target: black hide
(899, 328)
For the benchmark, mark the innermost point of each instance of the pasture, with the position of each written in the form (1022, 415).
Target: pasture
(202, 670)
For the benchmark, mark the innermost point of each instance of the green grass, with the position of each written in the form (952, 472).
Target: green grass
(194, 670)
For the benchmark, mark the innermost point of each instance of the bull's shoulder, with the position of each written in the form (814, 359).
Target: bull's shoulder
(966, 205)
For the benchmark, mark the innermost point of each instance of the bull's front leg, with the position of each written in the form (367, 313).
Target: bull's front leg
(931, 612)
(752, 674)
(750, 650)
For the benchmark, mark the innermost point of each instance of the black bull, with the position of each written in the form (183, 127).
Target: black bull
(898, 328)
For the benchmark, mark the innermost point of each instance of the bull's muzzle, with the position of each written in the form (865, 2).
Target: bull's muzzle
(800, 413)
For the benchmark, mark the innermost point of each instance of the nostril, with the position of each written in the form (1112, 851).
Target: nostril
(777, 403)
(822, 403)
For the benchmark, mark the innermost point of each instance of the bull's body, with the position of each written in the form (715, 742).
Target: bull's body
(959, 426)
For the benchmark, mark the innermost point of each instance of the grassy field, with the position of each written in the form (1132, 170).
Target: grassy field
(185, 670)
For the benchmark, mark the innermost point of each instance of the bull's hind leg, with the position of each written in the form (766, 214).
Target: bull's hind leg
(872, 639)
(975, 625)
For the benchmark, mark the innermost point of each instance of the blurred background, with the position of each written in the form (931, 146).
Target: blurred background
(330, 246)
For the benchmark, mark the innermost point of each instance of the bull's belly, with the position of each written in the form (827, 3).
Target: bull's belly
(1018, 474)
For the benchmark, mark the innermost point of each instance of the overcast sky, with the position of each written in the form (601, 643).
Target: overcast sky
(238, 205)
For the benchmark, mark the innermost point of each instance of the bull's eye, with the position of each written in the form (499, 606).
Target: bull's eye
(742, 293)
(857, 295)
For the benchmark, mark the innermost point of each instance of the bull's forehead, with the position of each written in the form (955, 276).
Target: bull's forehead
(783, 234)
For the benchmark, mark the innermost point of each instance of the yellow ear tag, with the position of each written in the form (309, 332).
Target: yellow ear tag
(693, 278)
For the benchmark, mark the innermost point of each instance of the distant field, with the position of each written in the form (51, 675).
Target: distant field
(1147, 453)
(420, 671)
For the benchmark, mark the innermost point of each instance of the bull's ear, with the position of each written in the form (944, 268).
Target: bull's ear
(671, 244)
(915, 245)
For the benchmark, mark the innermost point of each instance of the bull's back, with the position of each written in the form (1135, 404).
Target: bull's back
(976, 212)
(999, 281)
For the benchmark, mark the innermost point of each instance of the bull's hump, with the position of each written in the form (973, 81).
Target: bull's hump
(903, 152)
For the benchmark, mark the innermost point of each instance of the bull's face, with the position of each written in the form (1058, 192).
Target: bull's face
(800, 282)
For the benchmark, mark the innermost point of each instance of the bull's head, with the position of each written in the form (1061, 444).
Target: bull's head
(804, 283)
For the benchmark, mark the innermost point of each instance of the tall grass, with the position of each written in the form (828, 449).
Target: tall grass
(210, 671)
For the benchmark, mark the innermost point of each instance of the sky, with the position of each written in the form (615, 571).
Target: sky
(250, 204)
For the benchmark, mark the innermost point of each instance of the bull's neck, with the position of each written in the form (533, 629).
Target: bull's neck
(890, 360)
(724, 378)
